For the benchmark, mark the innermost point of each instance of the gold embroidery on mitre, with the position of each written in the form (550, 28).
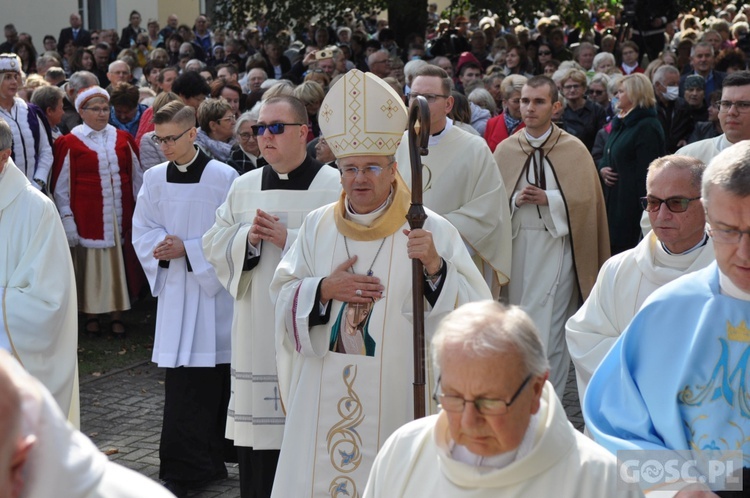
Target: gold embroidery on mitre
(740, 333)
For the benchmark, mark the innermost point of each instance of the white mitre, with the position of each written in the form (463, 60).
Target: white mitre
(362, 116)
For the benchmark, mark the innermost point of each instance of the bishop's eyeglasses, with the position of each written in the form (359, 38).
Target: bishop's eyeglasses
(456, 404)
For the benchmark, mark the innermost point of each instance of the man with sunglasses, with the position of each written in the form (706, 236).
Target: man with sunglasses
(677, 245)
(734, 117)
(253, 229)
(676, 379)
(502, 431)
(343, 298)
(461, 181)
(175, 207)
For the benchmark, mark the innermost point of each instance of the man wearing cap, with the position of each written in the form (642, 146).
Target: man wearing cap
(461, 181)
(38, 313)
(254, 228)
(32, 149)
(344, 300)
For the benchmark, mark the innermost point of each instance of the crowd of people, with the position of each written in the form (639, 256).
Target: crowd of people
(257, 183)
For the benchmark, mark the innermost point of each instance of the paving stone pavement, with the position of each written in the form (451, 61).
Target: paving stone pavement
(121, 412)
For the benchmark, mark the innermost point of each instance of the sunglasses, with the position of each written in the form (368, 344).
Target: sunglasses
(544, 52)
(274, 128)
(596, 92)
(674, 204)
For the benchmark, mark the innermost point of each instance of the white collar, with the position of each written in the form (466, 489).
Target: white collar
(538, 139)
(367, 219)
(184, 167)
(464, 455)
(435, 139)
(88, 131)
(692, 249)
(629, 69)
(728, 288)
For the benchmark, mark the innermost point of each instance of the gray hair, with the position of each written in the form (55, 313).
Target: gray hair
(411, 68)
(82, 79)
(701, 44)
(601, 57)
(251, 115)
(730, 171)
(112, 64)
(614, 83)
(662, 71)
(47, 96)
(484, 99)
(487, 328)
(600, 78)
(6, 136)
(195, 62)
(694, 166)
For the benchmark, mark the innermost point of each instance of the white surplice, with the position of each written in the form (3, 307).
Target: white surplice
(342, 407)
(38, 306)
(416, 462)
(463, 184)
(194, 311)
(256, 418)
(624, 282)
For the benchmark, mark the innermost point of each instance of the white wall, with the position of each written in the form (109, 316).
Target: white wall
(37, 17)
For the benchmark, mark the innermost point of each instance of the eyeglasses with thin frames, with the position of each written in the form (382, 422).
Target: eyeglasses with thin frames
(456, 404)
(741, 106)
(429, 97)
(373, 170)
(727, 235)
(675, 204)
(168, 141)
(274, 128)
(245, 136)
(97, 110)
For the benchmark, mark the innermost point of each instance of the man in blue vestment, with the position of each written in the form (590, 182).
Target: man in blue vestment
(677, 378)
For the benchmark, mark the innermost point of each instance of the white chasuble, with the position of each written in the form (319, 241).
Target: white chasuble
(462, 183)
(342, 407)
(256, 415)
(38, 306)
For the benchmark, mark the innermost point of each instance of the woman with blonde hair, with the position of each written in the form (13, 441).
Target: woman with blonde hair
(311, 94)
(637, 139)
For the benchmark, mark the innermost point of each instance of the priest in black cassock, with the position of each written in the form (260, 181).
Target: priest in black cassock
(175, 207)
(254, 228)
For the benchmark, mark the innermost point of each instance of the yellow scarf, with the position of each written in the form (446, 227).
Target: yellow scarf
(393, 218)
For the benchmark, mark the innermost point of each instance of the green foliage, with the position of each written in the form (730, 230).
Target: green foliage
(238, 14)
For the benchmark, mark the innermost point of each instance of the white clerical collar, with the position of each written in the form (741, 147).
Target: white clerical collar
(728, 288)
(184, 167)
(435, 139)
(464, 455)
(538, 139)
(367, 219)
(250, 156)
(692, 249)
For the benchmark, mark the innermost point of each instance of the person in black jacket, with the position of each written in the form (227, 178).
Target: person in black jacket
(80, 37)
(648, 20)
(131, 31)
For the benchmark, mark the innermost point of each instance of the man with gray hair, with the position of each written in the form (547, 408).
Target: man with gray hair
(38, 308)
(677, 245)
(702, 59)
(119, 71)
(676, 378)
(502, 431)
(379, 63)
(78, 81)
(672, 110)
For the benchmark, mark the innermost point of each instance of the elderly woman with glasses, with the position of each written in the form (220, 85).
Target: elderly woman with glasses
(95, 178)
(582, 117)
(245, 154)
(216, 132)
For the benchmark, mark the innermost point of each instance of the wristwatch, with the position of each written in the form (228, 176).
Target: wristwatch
(42, 184)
